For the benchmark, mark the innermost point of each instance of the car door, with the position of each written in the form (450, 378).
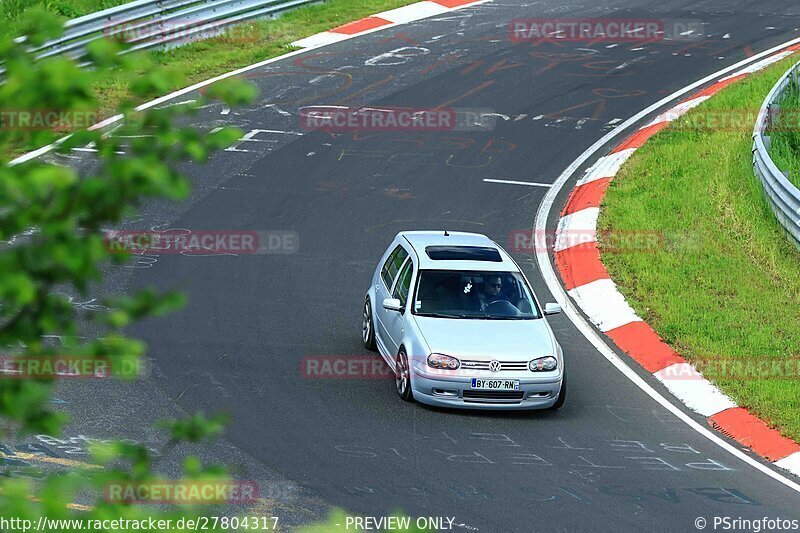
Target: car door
(395, 321)
(383, 290)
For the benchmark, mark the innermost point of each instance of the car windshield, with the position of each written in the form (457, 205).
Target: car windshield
(474, 294)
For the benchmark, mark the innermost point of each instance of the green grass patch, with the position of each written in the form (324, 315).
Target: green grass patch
(785, 145)
(12, 11)
(724, 286)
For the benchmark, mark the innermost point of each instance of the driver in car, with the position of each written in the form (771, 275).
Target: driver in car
(491, 291)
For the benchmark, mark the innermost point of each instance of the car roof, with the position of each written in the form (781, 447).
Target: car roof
(419, 240)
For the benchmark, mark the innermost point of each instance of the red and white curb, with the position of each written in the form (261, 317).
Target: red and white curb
(378, 21)
(587, 282)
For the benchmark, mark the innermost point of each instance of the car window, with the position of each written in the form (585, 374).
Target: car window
(474, 294)
(392, 265)
(403, 283)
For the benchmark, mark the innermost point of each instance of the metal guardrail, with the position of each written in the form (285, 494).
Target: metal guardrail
(782, 195)
(160, 24)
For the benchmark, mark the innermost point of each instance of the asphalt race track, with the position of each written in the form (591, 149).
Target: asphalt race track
(612, 458)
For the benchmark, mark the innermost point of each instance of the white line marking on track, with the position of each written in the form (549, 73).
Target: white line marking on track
(93, 150)
(512, 182)
(549, 276)
(179, 103)
(278, 109)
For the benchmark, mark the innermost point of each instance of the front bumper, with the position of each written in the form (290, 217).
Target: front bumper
(535, 392)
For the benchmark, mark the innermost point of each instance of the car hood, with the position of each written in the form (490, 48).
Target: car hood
(477, 339)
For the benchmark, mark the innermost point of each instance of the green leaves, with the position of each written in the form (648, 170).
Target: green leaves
(197, 427)
(155, 82)
(233, 91)
(53, 247)
(104, 53)
(17, 289)
(223, 137)
(40, 25)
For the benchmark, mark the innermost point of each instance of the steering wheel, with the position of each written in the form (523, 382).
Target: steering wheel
(502, 307)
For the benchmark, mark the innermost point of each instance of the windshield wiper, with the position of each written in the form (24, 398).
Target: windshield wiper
(459, 315)
(477, 316)
(498, 317)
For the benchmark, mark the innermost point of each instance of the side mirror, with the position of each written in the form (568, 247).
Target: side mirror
(549, 309)
(392, 304)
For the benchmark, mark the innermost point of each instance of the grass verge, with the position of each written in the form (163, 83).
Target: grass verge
(13, 11)
(724, 289)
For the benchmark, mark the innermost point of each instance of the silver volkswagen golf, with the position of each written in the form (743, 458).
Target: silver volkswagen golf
(457, 321)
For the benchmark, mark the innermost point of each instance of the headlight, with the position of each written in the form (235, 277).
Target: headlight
(438, 360)
(543, 364)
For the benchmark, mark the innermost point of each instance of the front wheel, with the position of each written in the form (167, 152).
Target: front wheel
(368, 326)
(402, 376)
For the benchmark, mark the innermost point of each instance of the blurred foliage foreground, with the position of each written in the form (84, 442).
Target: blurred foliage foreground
(52, 243)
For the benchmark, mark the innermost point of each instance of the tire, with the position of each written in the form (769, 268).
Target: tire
(402, 377)
(562, 394)
(368, 326)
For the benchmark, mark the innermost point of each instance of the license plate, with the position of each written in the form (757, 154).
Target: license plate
(495, 384)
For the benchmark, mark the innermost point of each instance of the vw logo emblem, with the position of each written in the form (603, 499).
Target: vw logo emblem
(495, 366)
